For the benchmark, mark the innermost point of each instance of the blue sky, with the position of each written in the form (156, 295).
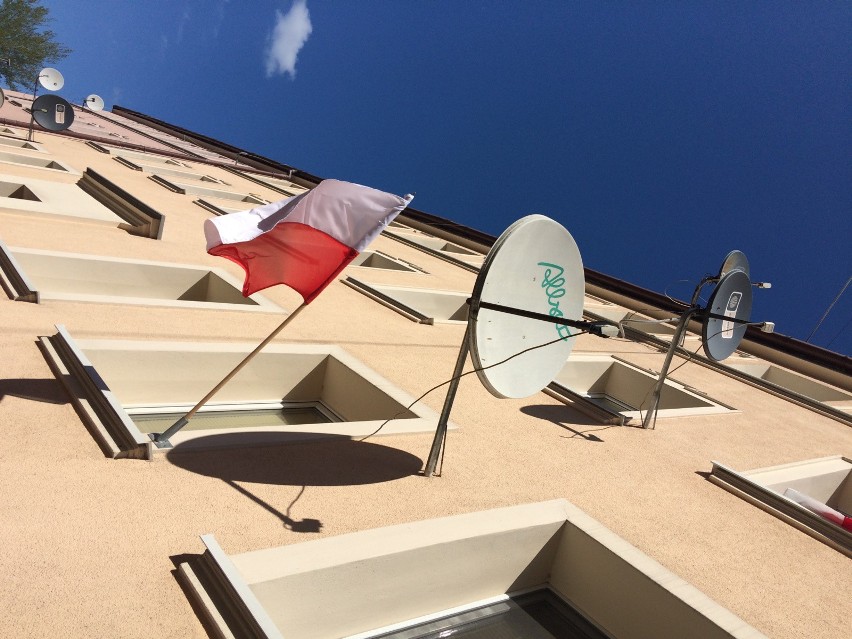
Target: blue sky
(661, 134)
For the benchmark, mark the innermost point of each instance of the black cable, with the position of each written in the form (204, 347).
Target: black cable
(475, 370)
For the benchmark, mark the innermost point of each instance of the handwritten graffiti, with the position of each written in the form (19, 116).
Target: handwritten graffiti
(554, 287)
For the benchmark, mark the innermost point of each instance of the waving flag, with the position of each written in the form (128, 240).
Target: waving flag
(306, 240)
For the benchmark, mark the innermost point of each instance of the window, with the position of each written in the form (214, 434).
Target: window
(438, 247)
(291, 391)
(38, 162)
(139, 165)
(219, 207)
(196, 189)
(615, 391)
(824, 482)
(383, 261)
(20, 144)
(55, 199)
(437, 244)
(90, 278)
(149, 158)
(537, 615)
(285, 187)
(778, 376)
(17, 191)
(417, 304)
(138, 218)
(548, 558)
(632, 320)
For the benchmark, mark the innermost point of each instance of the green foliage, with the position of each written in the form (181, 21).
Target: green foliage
(25, 45)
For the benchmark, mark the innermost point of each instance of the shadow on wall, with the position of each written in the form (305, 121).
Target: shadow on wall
(330, 461)
(39, 390)
(325, 461)
(564, 415)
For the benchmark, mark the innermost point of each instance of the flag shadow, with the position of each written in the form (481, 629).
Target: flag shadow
(286, 461)
(38, 390)
(329, 461)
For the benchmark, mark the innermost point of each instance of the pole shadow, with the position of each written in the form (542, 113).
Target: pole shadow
(562, 416)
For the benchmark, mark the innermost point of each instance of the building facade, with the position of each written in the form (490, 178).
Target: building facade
(116, 320)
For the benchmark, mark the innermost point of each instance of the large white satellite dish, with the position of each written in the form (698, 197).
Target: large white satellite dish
(534, 265)
(94, 102)
(51, 79)
(529, 294)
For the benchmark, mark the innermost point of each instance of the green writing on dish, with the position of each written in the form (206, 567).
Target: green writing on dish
(554, 287)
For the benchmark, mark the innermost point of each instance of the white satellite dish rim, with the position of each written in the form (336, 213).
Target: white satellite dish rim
(734, 260)
(94, 102)
(51, 79)
(719, 342)
(531, 372)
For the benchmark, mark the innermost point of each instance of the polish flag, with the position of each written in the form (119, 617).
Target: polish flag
(826, 512)
(306, 240)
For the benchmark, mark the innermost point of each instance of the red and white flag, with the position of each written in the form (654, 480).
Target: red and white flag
(306, 240)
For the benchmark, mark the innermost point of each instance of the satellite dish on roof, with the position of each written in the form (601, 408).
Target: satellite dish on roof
(52, 112)
(534, 265)
(51, 79)
(94, 102)
(734, 260)
(730, 301)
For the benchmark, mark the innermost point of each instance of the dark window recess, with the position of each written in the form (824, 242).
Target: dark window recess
(537, 615)
(17, 191)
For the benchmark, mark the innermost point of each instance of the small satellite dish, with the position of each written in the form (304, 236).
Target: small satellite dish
(52, 112)
(2, 98)
(51, 79)
(734, 260)
(731, 299)
(534, 265)
(94, 103)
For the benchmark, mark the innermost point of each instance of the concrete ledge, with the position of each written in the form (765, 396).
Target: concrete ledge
(828, 480)
(365, 582)
(110, 381)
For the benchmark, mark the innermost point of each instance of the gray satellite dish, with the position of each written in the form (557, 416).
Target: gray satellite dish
(51, 79)
(730, 301)
(734, 260)
(534, 265)
(52, 112)
(94, 102)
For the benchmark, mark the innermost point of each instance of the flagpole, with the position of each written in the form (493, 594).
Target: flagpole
(161, 440)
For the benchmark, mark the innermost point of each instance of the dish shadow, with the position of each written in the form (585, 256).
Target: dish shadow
(323, 461)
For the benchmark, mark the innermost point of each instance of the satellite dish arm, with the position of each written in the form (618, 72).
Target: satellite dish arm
(706, 280)
(596, 328)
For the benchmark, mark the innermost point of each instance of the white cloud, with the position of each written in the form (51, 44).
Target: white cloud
(289, 35)
(218, 17)
(182, 22)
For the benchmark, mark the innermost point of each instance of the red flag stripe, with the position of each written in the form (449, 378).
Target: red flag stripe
(297, 255)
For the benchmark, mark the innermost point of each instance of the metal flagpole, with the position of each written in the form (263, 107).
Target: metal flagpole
(161, 440)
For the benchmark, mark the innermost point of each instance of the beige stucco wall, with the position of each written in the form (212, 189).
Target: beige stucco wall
(88, 541)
